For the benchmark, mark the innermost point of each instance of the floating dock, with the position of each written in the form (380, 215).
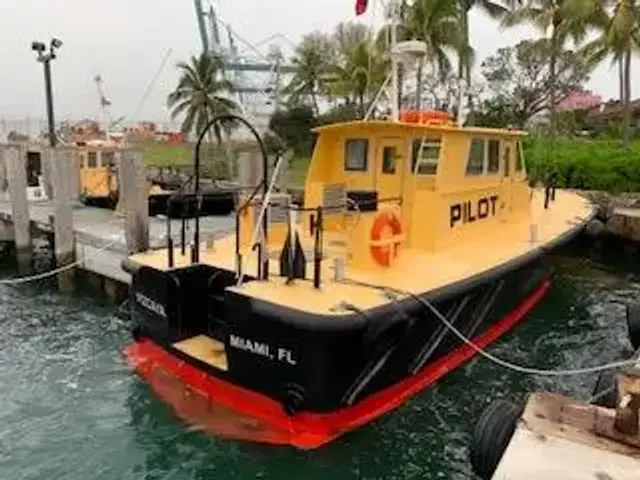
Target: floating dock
(554, 437)
(558, 438)
(100, 244)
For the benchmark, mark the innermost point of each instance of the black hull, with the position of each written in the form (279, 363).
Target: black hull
(213, 203)
(329, 365)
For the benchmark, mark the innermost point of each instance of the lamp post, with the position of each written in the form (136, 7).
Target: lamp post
(46, 57)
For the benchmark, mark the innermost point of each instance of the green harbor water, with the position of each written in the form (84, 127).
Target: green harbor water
(70, 408)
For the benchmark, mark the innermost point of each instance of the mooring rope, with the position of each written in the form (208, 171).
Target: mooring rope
(392, 292)
(55, 271)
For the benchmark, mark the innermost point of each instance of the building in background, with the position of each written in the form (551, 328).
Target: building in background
(580, 100)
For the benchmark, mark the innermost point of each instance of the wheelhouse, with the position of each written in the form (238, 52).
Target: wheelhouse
(448, 184)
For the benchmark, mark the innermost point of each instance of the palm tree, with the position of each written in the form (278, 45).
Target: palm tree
(201, 94)
(435, 23)
(565, 19)
(496, 10)
(359, 67)
(312, 60)
(619, 37)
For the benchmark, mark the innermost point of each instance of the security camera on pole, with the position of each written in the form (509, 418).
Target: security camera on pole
(45, 57)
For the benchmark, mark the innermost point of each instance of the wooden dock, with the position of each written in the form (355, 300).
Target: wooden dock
(555, 437)
(99, 234)
(91, 239)
(558, 438)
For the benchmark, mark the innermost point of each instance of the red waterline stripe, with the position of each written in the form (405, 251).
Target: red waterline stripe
(305, 429)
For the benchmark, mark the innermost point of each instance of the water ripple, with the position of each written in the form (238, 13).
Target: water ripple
(70, 408)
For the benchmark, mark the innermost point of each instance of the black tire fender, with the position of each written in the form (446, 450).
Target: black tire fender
(606, 389)
(492, 435)
(633, 324)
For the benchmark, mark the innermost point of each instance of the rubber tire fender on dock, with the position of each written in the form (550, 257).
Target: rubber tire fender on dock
(491, 435)
(633, 324)
(607, 381)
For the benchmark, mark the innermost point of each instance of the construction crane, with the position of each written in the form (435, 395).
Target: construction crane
(105, 103)
(256, 78)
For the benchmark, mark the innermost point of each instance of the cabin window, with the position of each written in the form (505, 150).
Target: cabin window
(92, 160)
(424, 156)
(493, 157)
(389, 159)
(507, 161)
(355, 154)
(108, 159)
(475, 162)
(519, 158)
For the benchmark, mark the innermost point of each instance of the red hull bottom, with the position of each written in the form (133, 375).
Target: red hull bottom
(229, 411)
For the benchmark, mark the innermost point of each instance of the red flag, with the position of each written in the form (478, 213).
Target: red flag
(361, 6)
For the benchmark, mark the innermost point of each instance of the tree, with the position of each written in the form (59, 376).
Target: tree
(434, 22)
(294, 126)
(358, 69)
(200, 96)
(312, 59)
(521, 76)
(619, 37)
(564, 19)
(495, 10)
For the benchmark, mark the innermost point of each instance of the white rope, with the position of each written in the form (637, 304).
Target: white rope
(50, 273)
(494, 359)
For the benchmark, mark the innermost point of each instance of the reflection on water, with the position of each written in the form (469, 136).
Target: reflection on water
(71, 409)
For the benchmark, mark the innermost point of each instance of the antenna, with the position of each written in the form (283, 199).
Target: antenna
(104, 104)
(394, 14)
(407, 52)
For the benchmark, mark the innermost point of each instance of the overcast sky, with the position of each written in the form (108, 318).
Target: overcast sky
(126, 40)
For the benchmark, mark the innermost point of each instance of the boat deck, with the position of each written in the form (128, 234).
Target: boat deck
(436, 269)
(205, 349)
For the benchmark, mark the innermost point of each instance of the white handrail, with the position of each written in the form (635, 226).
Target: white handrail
(265, 203)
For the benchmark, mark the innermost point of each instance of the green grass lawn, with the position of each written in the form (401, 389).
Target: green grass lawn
(164, 155)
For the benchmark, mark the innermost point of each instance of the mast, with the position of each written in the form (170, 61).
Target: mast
(394, 20)
(201, 25)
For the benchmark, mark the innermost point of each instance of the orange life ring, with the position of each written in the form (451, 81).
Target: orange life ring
(430, 117)
(384, 247)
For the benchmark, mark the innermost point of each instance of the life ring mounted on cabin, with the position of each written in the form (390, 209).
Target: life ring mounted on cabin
(426, 117)
(386, 237)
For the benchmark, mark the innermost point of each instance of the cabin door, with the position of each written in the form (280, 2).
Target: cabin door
(390, 165)
(508, 151)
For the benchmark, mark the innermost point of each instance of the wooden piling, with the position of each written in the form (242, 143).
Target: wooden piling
(62, 175)
(15, 161)
(134, 196)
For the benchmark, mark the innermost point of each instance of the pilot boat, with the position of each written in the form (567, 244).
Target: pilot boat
(418, 242)
(333, 319)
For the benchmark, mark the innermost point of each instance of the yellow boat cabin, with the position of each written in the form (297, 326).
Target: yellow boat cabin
(442, 185)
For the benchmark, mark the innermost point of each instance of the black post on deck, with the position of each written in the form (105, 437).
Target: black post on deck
(317, 253)
(230, 118)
